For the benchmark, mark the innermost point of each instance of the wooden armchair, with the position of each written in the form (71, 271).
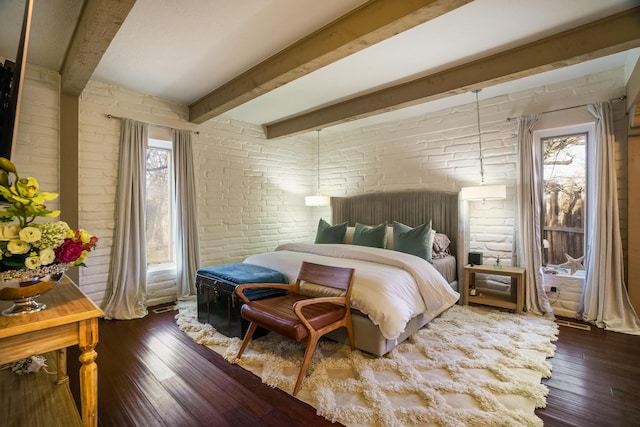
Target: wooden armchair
(301, 317)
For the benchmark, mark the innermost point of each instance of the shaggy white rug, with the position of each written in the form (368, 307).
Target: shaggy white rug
(469, 367)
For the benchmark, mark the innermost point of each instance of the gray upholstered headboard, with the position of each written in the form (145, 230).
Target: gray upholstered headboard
(408, 207)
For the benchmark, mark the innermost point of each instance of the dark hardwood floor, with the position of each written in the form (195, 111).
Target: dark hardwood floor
(595, 379)
(152, 374)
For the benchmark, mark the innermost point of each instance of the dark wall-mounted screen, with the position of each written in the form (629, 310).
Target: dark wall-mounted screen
(11, 79)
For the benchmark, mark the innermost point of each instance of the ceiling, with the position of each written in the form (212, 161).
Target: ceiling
(187, 52)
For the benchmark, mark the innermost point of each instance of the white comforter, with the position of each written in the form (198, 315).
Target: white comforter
(390, 287)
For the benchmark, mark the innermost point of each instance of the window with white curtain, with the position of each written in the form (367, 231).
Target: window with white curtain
(564, 174)
(160, 229)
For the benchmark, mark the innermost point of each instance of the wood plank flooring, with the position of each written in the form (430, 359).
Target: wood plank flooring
(595, 379)
(152, 374)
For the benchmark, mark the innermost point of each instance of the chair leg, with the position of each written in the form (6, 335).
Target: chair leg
(352, 341)
(312, 342)
(247, 337)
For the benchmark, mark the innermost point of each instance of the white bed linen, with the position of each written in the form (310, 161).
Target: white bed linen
(390, 287)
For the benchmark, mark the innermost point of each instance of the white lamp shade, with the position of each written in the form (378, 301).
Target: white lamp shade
(317, 200)
(484, 192)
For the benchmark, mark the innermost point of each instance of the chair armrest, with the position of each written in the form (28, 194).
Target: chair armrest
(297, 306)
(240, 288)
(320, 300)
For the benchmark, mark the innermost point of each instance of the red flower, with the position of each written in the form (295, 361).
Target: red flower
(89, 246)
(69, 251)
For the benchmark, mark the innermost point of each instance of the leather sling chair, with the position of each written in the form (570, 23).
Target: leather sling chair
(300, 317)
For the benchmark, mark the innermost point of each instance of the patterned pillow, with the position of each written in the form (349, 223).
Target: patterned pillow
(441, 242)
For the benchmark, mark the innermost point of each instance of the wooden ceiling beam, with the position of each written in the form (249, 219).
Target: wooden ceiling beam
(98, 24)
(606, 36)
(367, 25)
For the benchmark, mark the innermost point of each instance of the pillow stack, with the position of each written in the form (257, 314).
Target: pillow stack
(418, 241)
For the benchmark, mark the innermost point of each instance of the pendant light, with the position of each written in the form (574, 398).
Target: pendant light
(318, 199)
(482, 192)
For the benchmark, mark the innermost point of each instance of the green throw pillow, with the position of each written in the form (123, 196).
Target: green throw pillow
(370, 236)
(330, 234)
(414, 241)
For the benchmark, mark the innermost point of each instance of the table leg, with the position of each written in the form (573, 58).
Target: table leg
(465, 287)
(522, 280)
(62, 366)
(89, 372)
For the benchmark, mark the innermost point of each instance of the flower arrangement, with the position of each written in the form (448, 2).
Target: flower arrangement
(29, 248)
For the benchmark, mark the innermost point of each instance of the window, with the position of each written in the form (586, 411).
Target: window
(159, 205)
(564, 201)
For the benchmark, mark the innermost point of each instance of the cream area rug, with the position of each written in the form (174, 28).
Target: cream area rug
(468, 367)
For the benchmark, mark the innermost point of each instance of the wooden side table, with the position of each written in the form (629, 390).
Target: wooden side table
(469, 283)
(69, 319)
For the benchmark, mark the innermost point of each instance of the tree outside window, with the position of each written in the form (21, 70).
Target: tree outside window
(564, 199)
(159, 205)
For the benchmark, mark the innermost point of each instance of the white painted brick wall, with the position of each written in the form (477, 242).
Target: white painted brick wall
(565, 301)
(440, 151)
(36, 151)
(433, 152)
(251, 191)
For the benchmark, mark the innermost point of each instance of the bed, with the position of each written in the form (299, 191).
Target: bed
(394, 293)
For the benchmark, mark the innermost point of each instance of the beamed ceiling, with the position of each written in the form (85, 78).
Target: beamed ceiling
(294, 66)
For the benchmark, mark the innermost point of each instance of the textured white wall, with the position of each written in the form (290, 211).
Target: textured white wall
(251, 191)
(36, 151)
(440, 151)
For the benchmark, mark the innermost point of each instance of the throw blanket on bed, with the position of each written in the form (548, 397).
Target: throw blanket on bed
(390, 287)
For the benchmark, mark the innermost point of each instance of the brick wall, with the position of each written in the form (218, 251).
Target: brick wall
(440, 151)
(36, 151)
(251, 191)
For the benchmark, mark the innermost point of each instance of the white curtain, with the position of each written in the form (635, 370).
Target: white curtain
(187, 244)
(129, 254)
(528, 253)
(605, 301)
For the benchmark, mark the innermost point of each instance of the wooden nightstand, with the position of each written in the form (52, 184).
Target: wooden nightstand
(469, 283)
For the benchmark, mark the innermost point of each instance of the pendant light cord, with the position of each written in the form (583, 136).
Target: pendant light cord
(318, 166)
(479, 136)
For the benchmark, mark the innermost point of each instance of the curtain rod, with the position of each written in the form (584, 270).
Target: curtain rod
(621, 98)
(111, 116)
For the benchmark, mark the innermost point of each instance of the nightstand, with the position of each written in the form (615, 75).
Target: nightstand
(514, 272)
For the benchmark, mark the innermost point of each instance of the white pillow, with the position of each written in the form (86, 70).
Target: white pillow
(348, 236)
(389, 237)
(432, 237)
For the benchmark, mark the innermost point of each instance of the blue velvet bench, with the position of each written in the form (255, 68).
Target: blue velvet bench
(218, 303)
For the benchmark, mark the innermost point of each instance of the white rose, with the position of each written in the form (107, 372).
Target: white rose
(47, 256)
